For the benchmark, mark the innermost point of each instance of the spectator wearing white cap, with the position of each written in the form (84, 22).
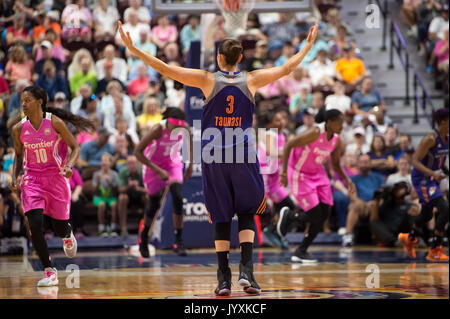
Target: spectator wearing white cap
(57, 50)
(60, 101)
(359, 145)
(46, 50)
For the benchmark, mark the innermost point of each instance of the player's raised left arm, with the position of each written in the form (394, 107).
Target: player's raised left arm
(61, 128)
(263, 77)
(190, 77)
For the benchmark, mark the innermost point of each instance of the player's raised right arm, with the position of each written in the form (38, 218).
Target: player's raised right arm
(190, 77)
(263, 77)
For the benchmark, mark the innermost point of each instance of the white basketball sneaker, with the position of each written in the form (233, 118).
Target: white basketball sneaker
(50, 278)
(70, 246)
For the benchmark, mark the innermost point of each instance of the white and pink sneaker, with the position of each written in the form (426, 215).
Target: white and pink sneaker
(70, 246)
(50, 278)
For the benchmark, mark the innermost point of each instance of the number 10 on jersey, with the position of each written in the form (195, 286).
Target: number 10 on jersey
(41, 155)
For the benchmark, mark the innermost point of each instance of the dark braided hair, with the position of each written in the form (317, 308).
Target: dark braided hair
(174, 112)
(79, 122)
(325, 116)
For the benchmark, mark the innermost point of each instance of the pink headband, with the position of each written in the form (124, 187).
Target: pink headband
(176, 122)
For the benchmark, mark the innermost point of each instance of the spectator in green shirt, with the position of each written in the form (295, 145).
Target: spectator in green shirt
(131, 191)
(82, 77)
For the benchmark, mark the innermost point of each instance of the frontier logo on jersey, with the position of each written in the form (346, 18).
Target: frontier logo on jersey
(38, 145)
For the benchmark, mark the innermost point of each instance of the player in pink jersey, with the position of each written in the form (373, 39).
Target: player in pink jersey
(159, 151)
(303, 160)
(41, 142)
(270, 153)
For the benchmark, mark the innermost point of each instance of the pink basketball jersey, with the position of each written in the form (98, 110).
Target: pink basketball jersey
(165, 151)
(45, 152)
(309, 159)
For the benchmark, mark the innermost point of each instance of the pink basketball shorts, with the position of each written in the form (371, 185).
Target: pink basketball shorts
(48, 192)
(310, 190)
(153, 184)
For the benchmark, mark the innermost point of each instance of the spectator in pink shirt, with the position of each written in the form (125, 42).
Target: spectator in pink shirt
(77, 22)
(57, 51)
(441, 52)
(19, 66)
(77, 204)
(164, 33)
(140, 84)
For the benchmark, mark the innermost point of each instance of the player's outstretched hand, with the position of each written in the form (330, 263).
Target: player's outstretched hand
(188, 172)
(313, 33)
(126, 38)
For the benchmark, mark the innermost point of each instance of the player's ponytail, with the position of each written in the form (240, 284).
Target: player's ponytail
(175, 113)
(80, 123)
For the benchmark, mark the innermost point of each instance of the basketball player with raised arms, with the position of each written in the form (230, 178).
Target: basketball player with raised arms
(303, 169)
(41, 142)
(428, 171)
(233, 187)
(159, 151)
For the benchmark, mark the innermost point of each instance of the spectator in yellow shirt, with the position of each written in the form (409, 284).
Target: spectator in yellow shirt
(150, 116)
(350, 70)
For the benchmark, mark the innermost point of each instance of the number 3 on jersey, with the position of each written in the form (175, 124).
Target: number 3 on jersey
(230, 108)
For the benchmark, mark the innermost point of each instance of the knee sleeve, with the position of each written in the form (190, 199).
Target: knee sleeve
(177, 198)
(154, 204)
(222, 231)
(442, 215)
(36, 220)
(246, 222)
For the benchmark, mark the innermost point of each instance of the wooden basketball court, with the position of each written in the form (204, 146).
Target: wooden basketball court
(341, 273)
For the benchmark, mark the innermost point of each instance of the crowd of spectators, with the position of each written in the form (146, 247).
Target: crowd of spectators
(74, 52)
(427, 22)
